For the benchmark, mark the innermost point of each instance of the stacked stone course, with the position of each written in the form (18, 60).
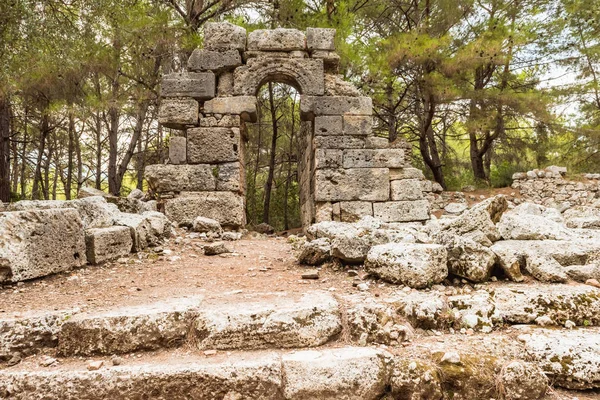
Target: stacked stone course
(346, 172)
(549, 187)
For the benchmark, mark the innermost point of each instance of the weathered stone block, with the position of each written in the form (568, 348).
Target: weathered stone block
(213, 145)
(178, 113)
(175, 178)
(369, 184)
(146, 229)
(371, 158)
(320, 39)
(225, 121)
(352, 211)
(331, 60)
(376, 142)
(40, 242)
(339, 142)
(338, 105)
(402, 211)
(244, 106)
(105, 244)
(250, 54)
(406, 173)
(225, 84)
(224, 36)
(216, 61)
(329, 125)
(323, 212)
(407, 189)
(230, 177)
(279, 39)
(199, 85)
(305, 74)
(328, 158)
(358, 125)
(225, 207)
(177, 150)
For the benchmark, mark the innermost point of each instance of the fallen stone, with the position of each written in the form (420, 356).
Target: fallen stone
(456, 208)
(467, 258)
(147, 230)
(207, 225)
(316, 252)
(310, 275)
(95, 365)
(214, 249)
(544, 268)
(106, 244)
(582, 273)
(415, 379)
(583, 217)
(424, 310)
(225, 207)
(415, 265)
(40, 242)
(593, 282)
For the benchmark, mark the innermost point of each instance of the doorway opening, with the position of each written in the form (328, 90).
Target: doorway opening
(272, 159)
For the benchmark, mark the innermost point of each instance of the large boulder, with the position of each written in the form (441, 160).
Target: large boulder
(315, 252)
(40, 242)
(412, 264)
(544, 268)
(106, 244)
(467, 258)
(532, 222)
(95, 211)
(478, 222)
(583, 217)
(147, 229)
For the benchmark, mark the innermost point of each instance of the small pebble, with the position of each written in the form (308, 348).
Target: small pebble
(310, 275)
(95, 365)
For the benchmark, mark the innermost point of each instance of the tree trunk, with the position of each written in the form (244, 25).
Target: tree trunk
(137, 131)
(288, 178)
(44, 130)
(98, 183)
(71, 150)
(79, 160)
(269, 183)
(5, 117)
(427, 144)
(23, 153)
(114, 186)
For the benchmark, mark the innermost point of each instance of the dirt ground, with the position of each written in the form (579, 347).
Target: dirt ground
(257, 266)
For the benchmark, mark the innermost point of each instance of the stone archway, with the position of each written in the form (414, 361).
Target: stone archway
(345, 172)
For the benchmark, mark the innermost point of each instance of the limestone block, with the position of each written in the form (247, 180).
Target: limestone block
(352, 211)
(346, 373)
(368, 184)
(250, 54)
(335, 105)
(224, 36)
(40, 242)
(402, 211)
(407, 189)
(339, 142)
(306, 74)
(230, 177)
(358, 125)
(406, 173)
(331, 60)
(323, 212)
(329, 125)
(413, 264)
(244, 106)
(213, 145)
(320, 39)
(216, 61)
(147, 229)
(199, 85)
(372, 158)
(177, 178)
(177, 150)
(224, 121)
(105, 244)
(328, 158)
(225, 207)
(225, 84)
(279, 39)
(178, 113)
(376, 142)
(335, 85)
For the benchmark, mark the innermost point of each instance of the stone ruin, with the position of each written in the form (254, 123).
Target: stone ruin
(346, 172)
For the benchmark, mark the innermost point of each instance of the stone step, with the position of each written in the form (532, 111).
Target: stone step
(515, 364)
(228, 322)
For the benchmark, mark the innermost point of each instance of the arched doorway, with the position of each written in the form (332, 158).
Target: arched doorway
(345, 171)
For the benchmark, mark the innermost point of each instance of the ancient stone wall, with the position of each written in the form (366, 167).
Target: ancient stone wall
(346, 172)
(550, 188)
